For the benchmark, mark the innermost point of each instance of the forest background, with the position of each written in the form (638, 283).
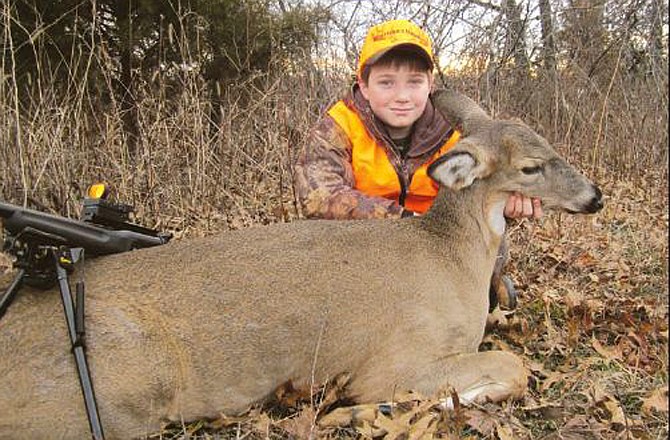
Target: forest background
(194, 111)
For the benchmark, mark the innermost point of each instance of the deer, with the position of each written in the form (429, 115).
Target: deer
(211, 325)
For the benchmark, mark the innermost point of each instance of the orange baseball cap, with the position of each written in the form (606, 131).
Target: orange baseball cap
(385, 36)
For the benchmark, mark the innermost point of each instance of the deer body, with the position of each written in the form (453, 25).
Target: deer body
(181, 344)
(203, 326)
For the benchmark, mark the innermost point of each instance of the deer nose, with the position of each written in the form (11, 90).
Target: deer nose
(596, 203)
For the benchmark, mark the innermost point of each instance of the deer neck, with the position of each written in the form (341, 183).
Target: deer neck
(473, 215)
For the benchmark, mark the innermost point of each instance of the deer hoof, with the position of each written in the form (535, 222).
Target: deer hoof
(507, 295)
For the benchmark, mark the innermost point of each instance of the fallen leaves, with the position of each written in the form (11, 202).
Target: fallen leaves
(411, 416)
(608, 353)
(608, 408)
(656, 400)
(594, 306)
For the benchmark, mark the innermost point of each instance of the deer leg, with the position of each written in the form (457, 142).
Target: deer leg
(501, 291)
(485, 376)
(476, 377)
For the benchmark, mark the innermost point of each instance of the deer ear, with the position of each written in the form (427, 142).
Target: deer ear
(457, 170)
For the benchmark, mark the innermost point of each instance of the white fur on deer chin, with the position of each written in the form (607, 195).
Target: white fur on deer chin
(496, 218)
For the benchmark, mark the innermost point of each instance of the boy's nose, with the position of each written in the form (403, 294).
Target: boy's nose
(402, 94)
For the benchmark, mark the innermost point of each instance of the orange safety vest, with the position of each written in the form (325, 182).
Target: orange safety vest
(373, 171)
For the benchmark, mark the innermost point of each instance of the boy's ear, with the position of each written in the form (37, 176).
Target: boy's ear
(363, 86)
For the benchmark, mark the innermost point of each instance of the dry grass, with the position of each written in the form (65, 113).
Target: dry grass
(187, 174)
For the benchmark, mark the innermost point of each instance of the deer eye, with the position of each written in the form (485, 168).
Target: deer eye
(531, 170)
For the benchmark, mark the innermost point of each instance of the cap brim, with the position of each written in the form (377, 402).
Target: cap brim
(419, 50)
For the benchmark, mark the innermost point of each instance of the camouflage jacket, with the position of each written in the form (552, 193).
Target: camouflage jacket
(324, 178)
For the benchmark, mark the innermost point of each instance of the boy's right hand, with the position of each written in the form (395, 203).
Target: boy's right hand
(520, 206)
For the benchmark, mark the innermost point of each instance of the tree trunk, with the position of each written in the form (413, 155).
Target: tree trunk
(548, 43)
(124, 90)
(586, 34)
(515, 44)
(657, 10)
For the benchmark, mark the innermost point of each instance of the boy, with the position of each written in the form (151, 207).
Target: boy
(368, 157)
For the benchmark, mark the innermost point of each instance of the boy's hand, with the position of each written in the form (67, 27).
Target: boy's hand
(519, 206)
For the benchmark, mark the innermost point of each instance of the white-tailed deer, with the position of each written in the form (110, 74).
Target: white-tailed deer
(203, 326)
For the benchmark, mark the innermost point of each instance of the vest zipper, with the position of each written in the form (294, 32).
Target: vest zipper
(402, 172)
(403, 185)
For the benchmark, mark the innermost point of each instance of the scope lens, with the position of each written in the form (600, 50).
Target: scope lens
(97, 191)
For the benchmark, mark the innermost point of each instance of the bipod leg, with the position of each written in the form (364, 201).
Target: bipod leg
(74, 324)
(11, 292)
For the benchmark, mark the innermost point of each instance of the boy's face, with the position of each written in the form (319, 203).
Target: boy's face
(397, 95)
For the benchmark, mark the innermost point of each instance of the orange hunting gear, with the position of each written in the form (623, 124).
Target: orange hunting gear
(385, 36)
(373, 171)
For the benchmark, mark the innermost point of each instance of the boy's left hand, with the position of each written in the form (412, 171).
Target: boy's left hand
(520, 206)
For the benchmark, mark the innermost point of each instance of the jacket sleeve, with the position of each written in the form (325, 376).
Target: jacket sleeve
(324, 179)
